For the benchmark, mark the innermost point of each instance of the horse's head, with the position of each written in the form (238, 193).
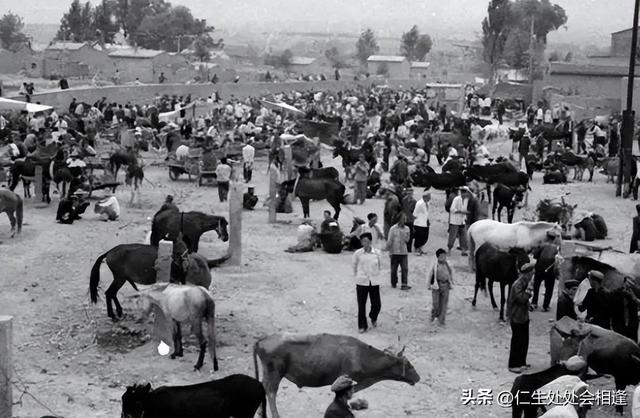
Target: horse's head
(134, 399)
(221, 228)
(565, 217)
(554, 234)
(518, 196)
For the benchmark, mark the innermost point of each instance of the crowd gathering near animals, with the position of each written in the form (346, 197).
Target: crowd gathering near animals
(398, 150)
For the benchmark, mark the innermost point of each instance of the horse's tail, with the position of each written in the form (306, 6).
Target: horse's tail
(211, 327)
(472, 250)
(255, 367)
(19, 213)
(217, 261)
(95, 277)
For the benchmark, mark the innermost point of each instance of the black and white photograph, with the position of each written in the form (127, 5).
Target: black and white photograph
(338, 209)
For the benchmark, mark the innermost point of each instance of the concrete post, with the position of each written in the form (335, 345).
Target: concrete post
(236, 190)
(163, 261)
(6, 366)
(38, 183)
(273, 186)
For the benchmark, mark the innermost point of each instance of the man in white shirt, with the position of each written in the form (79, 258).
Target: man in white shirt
(421, 222)
(457, 220)
(223, 175)
(366, 270)
(248, 155)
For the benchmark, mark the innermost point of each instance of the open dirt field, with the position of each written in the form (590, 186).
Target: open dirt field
(77, 362)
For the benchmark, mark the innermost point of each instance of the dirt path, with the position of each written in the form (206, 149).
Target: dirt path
(75, 361)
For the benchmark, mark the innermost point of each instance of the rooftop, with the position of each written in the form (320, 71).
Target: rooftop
(70, 46)
(621, 31)
(302, 60)
(135, 53)
(420, 64)
(386, 58)
(595, 70)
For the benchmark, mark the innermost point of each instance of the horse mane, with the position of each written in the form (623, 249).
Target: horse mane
(208, 215)
(538, 224)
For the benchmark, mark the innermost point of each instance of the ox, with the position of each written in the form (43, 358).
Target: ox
(524, 235)
(237, 396)
(606, 352)
(317, 360)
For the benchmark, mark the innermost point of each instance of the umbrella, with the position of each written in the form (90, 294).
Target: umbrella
(8, 104)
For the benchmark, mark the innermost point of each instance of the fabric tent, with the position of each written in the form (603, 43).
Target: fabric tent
(8, 104)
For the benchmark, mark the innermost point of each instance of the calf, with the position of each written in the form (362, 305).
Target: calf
(508, 197)
(237, 396)
(525, 385)
(498, 266)
(317, 360)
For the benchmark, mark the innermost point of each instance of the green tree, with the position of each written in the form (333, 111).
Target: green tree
(76, 25)
(11, 36)
(516, 49)
(202, 46)
(547, 17)
(495, 31)
(334, 56)
(415, 46)
(104, 21)
(282, 60)
(172, 29)
(366, 46)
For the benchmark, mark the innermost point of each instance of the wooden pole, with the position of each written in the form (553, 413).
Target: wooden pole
(273, 204)
(163, 261)
(288, 161)
(236, 189)
(6, 396)
(38, 183)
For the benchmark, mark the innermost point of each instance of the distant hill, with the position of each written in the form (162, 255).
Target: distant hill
(41, 34)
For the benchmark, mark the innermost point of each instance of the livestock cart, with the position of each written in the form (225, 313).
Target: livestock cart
(189, 166)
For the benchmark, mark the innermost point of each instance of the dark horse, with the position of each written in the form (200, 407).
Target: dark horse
(498, 266)
(128, 157)
(167, 224)
(315, 188)
(135, 263)
(350, 156)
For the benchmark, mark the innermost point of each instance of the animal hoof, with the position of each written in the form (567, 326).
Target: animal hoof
(197, 368)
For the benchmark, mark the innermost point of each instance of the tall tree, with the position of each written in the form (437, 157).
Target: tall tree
(171, 30)
(415, 46)
(366, 46)
(76, 24)
(104, 20)
(516, 49)
(334, 56)
(495, 30)
(11, 36)
(547, 17)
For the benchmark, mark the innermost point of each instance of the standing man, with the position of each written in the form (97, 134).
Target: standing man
(366, 270)
(391, 210)
(544, 272)
(458, 219)
(518, 313)
(223, 175)
(408, 205)
(440, 282)
(397, 247)
(248, 155)
(360, 178)
(500, 110)
(162, 78)
(635, 236)
(595, 302)
(421, 222)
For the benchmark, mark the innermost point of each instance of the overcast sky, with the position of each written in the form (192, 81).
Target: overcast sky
(589, 20)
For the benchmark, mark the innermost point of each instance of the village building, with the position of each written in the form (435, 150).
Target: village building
(419, 69)
(392, 66)
(146, 65)
(72, 59)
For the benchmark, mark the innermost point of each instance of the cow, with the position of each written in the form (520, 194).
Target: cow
(509, 197)
(441, 181)
(498, 266)
(525, 385)
(237, 396)
(606, 352)
(317, 360)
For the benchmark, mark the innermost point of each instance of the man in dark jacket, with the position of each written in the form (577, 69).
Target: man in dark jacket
(392, 209)
(339, 408)
(565, 306)
(518, 313)
(408, 205)
(544, 271)
(595, 302)
(635, 236)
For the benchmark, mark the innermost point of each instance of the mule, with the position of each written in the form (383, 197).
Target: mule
(11, 204)
(497, 266)
(168, 224)
(523, 235)
(315, 188)
(174, 304)
(135, 263)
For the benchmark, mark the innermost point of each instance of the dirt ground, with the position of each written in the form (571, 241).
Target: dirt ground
(75, 361)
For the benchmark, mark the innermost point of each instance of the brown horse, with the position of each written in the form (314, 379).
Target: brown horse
(316, 188)
(11, 203)
(169, 223)
(135, 263)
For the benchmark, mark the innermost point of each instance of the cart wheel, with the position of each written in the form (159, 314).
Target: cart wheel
(173, 174)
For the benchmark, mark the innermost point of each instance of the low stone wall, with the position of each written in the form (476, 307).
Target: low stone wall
(585, 107)
(143, 94)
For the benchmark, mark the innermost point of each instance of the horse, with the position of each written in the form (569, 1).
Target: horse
(509, 197)
(11, 203)
(524, 235)
(237, 396)
(169, 223)
(498, 266)
(350, 156)
(173, 304)
(315, 188)
(562, 212)
(135, 263)
(441, 181)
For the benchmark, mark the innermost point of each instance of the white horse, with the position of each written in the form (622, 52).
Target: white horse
(524, 235)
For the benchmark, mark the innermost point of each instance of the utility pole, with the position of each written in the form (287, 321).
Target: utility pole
(628, 116)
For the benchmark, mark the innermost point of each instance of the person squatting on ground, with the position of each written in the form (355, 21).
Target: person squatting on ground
(518, 313)
(108, 208)
(339, 408)
(397, 247)
(366, 270)
(440, 280)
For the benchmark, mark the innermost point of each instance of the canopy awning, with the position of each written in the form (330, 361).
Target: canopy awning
(9, 104)
(282, 106)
